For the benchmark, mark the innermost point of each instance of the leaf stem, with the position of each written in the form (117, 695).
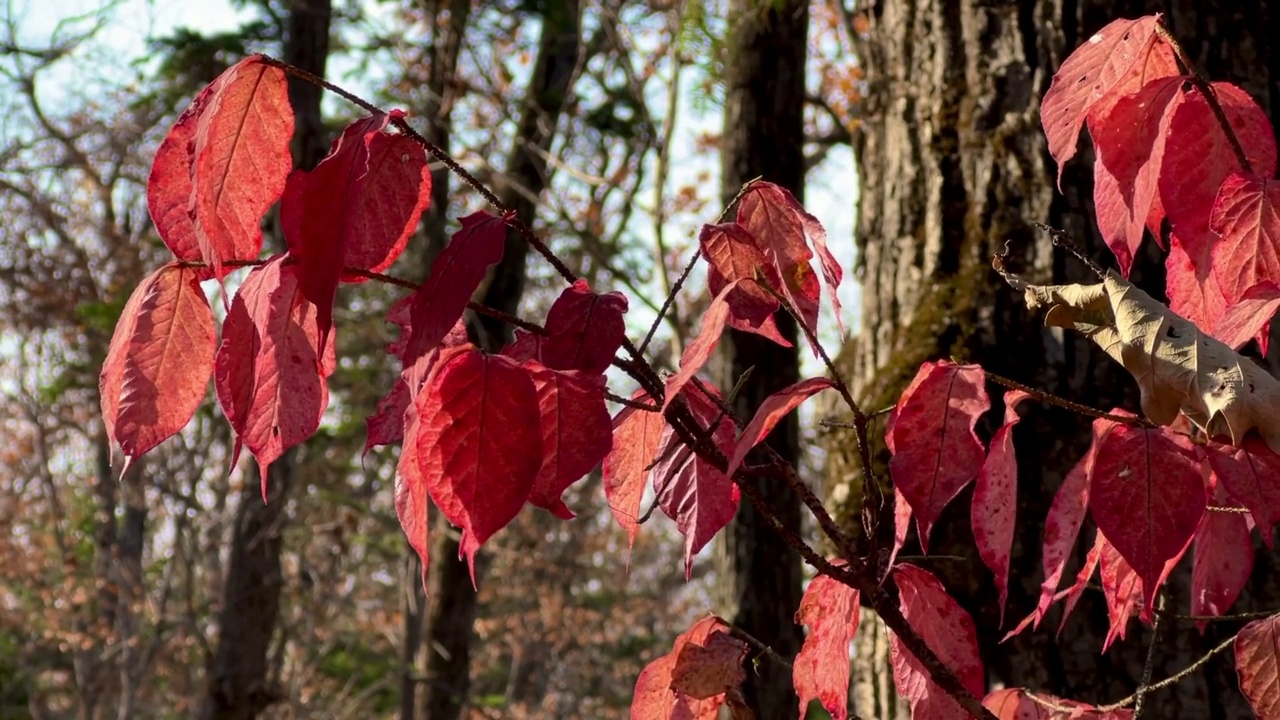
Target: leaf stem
(1198, 81)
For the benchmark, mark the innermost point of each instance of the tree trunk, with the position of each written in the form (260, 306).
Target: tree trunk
(764, 137)
(453, 599)
(238, 684)
(952, 164)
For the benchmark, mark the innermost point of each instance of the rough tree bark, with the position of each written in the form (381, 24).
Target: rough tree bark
(453, 600)
(953, 163)
(239, 669)
(764, 137)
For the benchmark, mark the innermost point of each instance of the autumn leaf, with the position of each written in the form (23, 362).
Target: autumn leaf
(386, 425)
(780, 233)
(1245, 217)
(636, 434)
(699, 350)
(1178, 368)
(1022, 704)
(1257, 647)
(1193, 171)
(270, 372)
(821, 670)
(1122, 49)
(995, 500)
(690, 490)
(948, 631)
(701, 660)
(709, 667)
(1249, 317)
(1147, 497)
(1130, 142)
(1066, 516)
(478, 442)
(1248, 473)
(584, 331)
(936, 452)
(456, 274)
(770, 413)
(1222, 561)
(159, 362)
(576, 432)
(733, 253)
(356, 209)
(1121, 588)
(233, 143)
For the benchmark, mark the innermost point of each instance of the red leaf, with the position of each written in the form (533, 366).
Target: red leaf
(948, 630)
(584, 330)
(769, 213)
(771, 412)
(733, 253)
(169, 184)
(1249, 474)
(269, 372)
(830, 610)
(1245, 217)
(1193, 289)
(817, 236)
(710, 667)
(636, 434)
(1121, 587)
(1019, 704)
(158, 365)
(1066, 515)
(1073, 593)
(901, 526)
(234, 144)
(479, 443)
(661, 690)
(1130, 142)
(357, 208)
(1223, 559)
(690, 490)
(386, 425)
(412, 499)
(576, 432)
(1195, 166)
(697, 352)
(1193, 170)
(1250, 317)
(995, 500)
(456, 273)
(1147, 496)
(935, 449)
(1256, 648)
(1117, 53)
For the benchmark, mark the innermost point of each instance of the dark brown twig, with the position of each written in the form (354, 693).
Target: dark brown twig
(1202, 85)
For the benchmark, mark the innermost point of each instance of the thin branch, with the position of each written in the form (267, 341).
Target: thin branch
(1140, 705)
(1062, 402)
(1171, 680)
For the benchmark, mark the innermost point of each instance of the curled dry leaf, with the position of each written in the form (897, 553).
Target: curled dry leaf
(1178, 367)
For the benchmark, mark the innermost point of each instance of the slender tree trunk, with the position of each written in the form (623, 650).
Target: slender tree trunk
(953, 163)
(239, 671)
(453, 599)
(764, 137)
